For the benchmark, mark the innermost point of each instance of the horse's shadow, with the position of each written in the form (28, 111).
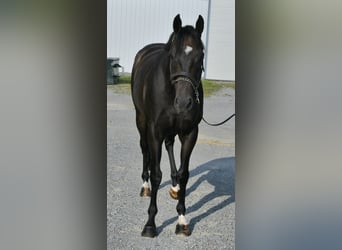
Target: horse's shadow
(220, 173)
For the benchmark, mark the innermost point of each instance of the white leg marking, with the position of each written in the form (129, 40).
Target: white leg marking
(176, 188)
(182, 220)
(187, 49)
(145, 184)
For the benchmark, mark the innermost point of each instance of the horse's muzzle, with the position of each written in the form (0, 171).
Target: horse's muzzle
(183, 104)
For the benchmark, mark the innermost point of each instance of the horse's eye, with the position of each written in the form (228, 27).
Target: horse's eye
(198, 60)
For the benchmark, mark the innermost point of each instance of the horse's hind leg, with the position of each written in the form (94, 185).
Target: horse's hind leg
(169, 141)
(145, 189)
(155, 144)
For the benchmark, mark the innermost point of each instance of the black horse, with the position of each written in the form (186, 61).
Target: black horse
(168, 98)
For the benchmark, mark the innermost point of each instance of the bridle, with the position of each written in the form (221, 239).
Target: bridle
(186, 77)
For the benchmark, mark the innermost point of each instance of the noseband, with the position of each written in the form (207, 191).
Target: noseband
(184, 76)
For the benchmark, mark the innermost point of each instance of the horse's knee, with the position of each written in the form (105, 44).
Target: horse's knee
(156, 177)
(183, 176)
(143, 145)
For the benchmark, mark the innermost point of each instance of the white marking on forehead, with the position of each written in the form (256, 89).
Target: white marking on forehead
(187, 49)
(145, 184)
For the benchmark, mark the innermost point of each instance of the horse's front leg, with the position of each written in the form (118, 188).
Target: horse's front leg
(188, 142)
(155, 177)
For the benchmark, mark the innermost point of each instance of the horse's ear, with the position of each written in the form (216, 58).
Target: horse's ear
(200, 24)
(177, 24)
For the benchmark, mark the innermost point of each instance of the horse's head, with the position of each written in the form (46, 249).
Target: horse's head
(186, 52)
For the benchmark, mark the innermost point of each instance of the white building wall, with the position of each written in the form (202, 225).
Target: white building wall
(220, 64)
(132, 24)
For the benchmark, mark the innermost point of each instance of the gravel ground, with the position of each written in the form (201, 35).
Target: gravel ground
(210, 197)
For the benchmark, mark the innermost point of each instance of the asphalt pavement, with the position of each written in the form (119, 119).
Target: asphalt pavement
(210, 199)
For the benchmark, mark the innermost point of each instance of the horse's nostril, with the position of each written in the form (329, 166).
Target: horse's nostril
(189, 105)
(183, 104)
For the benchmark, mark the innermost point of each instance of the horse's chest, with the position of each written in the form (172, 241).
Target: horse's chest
(183, 123)
(176, 123)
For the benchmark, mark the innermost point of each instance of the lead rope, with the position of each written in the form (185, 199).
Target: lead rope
(220, 123)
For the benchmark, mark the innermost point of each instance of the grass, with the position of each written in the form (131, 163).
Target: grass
(124, 85)
(209, 86)
(125, 79)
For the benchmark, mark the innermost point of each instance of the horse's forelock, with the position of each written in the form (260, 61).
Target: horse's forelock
(187, 32)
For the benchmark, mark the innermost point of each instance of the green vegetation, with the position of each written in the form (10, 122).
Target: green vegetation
(209, 86)
(125, 79)
(124, 85)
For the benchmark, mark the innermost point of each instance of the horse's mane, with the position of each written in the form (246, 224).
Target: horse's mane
(169, 42)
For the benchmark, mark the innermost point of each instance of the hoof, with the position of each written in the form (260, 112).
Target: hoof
(149, 231)
(145, 192)
(183, 229)
(173, 194)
